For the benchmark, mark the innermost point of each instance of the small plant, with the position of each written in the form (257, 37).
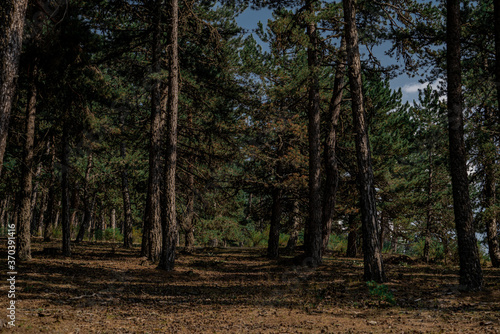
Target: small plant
(381, 292)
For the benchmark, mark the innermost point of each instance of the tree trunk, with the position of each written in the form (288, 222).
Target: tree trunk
(87, 210)
(168, 217)
(11, 40)
(65, 199)
(313, 247)
(43, 209)
(489, 158)
(352, 238)
(189, 216)
(24, 227)
(151, 241)
(331, 168)
(113, 222)
(374, 270)
(127, 208)
(471, 277)
(497, 52)
(295, 227)
(428, 225)
(274, 230)
(34, 199)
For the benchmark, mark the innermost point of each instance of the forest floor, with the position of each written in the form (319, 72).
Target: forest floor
(104, 288)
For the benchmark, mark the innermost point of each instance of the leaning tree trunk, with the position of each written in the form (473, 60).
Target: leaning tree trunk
(127, 208)
(168, 217)
(471, 276)
(12, 13)
(151, 240)
(24, 227)
(374, 269)
(331, 170)
(313, 247)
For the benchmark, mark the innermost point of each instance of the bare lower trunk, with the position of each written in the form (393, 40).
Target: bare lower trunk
(169, 219)
(24, 227)
(189, 216)
(313, 247)
(492, 214)
(352, 238)
(471, 276)
(87, 200)
(65, 200)
(151, 240)
(295, 227)
(274, 230)
(11, 40)
(428, 225)
(127, 208)
(374, 269)
(331, 167)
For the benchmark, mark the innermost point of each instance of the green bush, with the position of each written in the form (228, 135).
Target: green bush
(381, 292)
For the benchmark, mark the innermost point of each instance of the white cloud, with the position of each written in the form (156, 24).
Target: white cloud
(413, 88)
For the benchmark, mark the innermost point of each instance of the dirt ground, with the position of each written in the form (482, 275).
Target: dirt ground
(104, 288)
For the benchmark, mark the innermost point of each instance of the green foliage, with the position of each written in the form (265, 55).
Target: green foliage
(381, 293)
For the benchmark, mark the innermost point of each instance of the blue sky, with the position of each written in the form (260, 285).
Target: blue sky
(409, 86)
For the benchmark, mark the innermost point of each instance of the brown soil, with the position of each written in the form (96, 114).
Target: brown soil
(104, 288)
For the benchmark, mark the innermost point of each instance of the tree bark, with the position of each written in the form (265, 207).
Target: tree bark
(374, 269)
(168, 217)
(471, 277)
(189, 216)
(87, 207)
(65, 199)
(127, 208)
(274, 230)
(313, 247)
(428, 225)
(295, 226)
(151, 242)
(497, 51)
(12, 13)
(331, 168)
(24, 227)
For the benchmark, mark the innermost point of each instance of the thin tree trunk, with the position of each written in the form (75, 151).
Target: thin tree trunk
(24, 227)
(374, 269)
(43, 209)
(331, 170)
(189, 216)
(87, 207)
(295, 226)
(314, 244)
(489, 191)
(471, 277)
(274, 230)
(169, 222)
(496, 5)
(113, 222)
(352, 238)
(12, 14)
(127, 208)
(151, 241)
(65, 199)
(34, 198)
(428, 225)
